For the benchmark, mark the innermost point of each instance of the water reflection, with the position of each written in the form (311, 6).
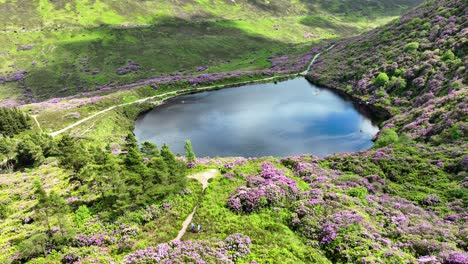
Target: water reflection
(288, 118)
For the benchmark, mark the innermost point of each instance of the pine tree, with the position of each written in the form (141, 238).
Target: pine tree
(73, 153)
(176, 168)
(170, 159)
(13, 121)
(156, 181)
(131, 141)
(7, 149)
(28, 153)
(149, 150)
(189, 154)
(51, 206)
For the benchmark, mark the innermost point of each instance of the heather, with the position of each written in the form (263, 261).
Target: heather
(400, 203)
(413, 66)
(75, 195)
(62, 48)
(344, 208)
(94, 195)
(228, 251)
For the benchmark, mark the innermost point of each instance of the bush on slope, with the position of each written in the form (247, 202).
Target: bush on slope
(423, 54)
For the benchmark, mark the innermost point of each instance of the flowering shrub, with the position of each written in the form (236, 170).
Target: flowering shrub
(82, 240)
(271, 187)
(422, 63)
(130, 67)
(237, 246)
(228, 251)
(454, 257)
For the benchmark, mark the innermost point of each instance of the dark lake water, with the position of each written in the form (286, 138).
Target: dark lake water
(288, 118)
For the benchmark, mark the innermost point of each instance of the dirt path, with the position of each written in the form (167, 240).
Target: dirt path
(203, 179)
(58, 132)
(304, 73)
(185, 225)
(37, 122)
(181, 91)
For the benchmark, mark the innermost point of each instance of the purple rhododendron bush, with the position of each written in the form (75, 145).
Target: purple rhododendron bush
(104, 197)
(357, 219)
(415, 67)
(228, 251)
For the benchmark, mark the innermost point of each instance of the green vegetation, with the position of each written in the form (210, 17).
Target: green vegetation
(94, 195)
(189, 154)
(69, 47)
(112, 182)
(13, 121)
(386, 137)
(411, 67)
(381, 79)
(410, 47)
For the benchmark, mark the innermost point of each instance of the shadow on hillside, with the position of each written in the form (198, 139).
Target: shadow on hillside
(365, 8)
(175, 45)
(326, 23)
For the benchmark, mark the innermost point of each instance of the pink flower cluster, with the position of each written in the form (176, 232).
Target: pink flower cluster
(234, 247)
(270, 187)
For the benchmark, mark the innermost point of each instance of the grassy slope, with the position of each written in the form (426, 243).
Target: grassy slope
(423, 54)
(411, 171)
(74, 44)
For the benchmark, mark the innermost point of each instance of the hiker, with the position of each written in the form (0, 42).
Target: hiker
(192, 228)
(199, 228)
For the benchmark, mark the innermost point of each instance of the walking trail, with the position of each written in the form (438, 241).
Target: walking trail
(304, 73)
(58, 132)
(37, 122)
(203, 179)
(182, 91)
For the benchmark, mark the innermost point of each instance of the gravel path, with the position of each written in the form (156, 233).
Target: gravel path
(304, 73)
(37, 122)
(203, 179)
(158, 96)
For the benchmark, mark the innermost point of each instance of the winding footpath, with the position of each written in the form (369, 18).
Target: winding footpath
(203, 179)
(58, 132)
(37, 122)
(304, 73)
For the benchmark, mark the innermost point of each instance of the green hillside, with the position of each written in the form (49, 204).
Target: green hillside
(414, 66)
(57, 48)
(40, 14)
(77, 187)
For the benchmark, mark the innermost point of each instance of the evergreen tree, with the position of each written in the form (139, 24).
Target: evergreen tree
(160, 171)
(176, 167)
(73, 154)
(7, 151)
(50, 207)
(133, 159)
(28, 153)
(189, 154)
(13, 121)
(34, 246)
(110, 182)
(149, 150)
(155, 181)
(131, 141)
(98, 156)
(47, 144)
(170, 159)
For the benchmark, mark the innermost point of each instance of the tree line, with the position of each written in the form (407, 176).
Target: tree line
(13, 121)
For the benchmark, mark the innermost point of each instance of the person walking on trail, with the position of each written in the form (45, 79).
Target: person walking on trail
(199, 228)
(192, 227)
